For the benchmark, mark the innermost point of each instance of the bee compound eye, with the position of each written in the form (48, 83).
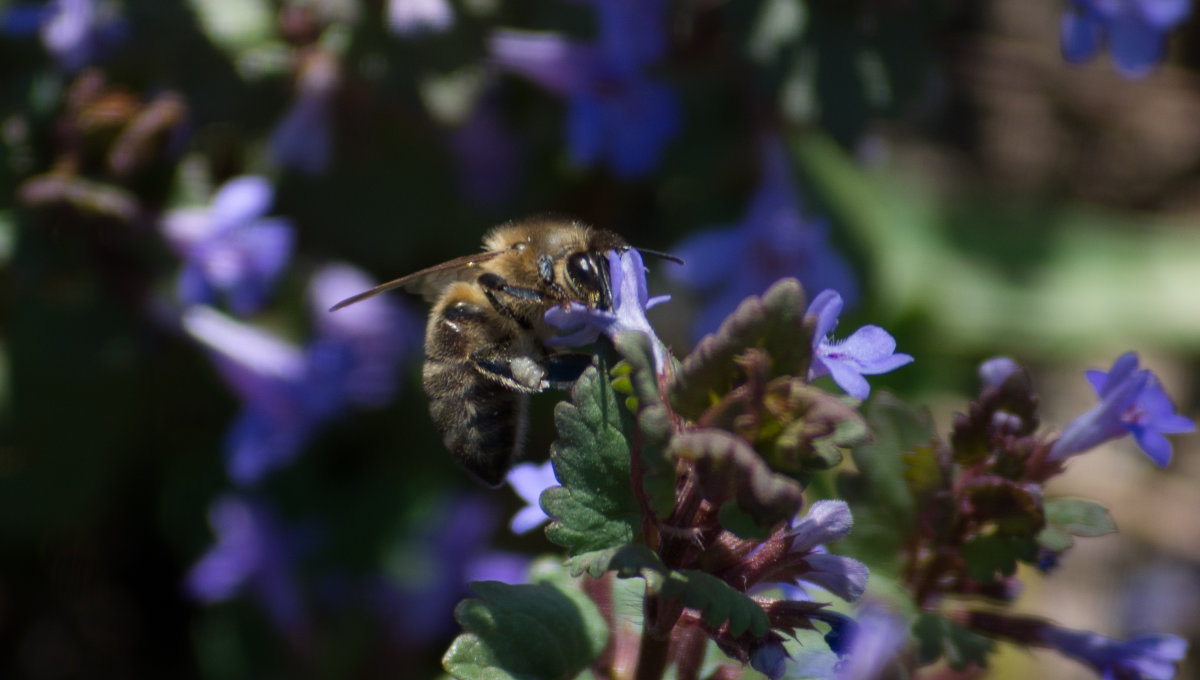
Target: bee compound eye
(583, 272)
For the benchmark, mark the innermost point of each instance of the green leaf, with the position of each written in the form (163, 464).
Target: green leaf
(655, 425)
(595, 507)
(939, 637)
(880, 498)
(1078, 517)
(774, 322)
(716, 600)
(727, 468)
(1054, 540)
(542, 631)
(1014, 508)
(988, 555)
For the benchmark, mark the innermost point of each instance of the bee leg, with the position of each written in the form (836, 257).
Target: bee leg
(494, 283)
(563, 369)
(520, 373)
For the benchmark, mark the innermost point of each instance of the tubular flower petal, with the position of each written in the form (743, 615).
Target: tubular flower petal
(1131, 402)
(868, 351)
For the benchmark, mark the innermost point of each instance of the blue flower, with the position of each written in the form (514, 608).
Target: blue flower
(631, 33)
(996, 370)
(303, 139)
(488, 157)
(75, 32)
(1131, 402)
(529, 480)
(1135, 31)
(430, 568)
(615, 114)
(582, 325)
(288, 392)
(769, 658)
(826, 522)
(865, 643)
(253, 555)
(230, 248)
(774, 240)
(1144, 657)
(870, 350)
(410, 17)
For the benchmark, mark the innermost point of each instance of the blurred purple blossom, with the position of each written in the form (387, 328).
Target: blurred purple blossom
(996, 370)
(1135, 31)
(287, 392)
(76, 32)
(251, 554)
(488, 156)
(827, 522)
(616, 115)
(774, 240)
(582, 325)
(229, 248)
(431, 568)
(303, 139)
(866, 644)
(1131, 402)
(870, 350)
(1144, 657)
(631, 33)
(529, 480)
(410, 17)
(769, 658)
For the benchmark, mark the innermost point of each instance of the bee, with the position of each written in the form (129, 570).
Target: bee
(485, 342)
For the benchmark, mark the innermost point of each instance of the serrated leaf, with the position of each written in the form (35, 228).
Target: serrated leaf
(655, 426)
(626, 561)
(774, 322)
(727, 468)
(1078, 517)
(542, 631)
(987, 556)
(716, 600)
(938, 637)
(595, 507)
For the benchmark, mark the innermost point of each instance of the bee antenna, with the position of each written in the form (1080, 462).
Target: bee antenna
(661, 255)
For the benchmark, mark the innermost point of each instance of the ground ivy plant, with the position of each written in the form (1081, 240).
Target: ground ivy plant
(679, 497)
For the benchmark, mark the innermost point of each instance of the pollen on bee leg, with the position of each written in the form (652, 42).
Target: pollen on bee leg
(527, 372)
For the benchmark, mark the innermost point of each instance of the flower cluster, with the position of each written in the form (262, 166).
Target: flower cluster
(1135, 31)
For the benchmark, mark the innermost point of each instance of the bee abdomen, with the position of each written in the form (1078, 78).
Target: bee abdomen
(481, 421)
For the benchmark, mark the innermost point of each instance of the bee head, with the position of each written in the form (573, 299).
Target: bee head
(588, 278)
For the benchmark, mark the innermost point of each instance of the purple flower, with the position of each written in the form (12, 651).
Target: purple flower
(303, 140)
(251, 555)
(1144, 657)
(230, 248)
(430, 568)
(996, 370)
(410, 17)
(769, 658)
(615, 114)
(288, 392)
(866, 643)
(870, 350)
(632, 33)
(374, 335)
(529, 480)
(774, 240)
(1134, 30)
(826, 522)
(1131, 402)
(488, 157)
(582, 325)
(75, 32)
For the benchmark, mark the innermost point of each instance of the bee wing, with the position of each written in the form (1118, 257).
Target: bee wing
(427, 282)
